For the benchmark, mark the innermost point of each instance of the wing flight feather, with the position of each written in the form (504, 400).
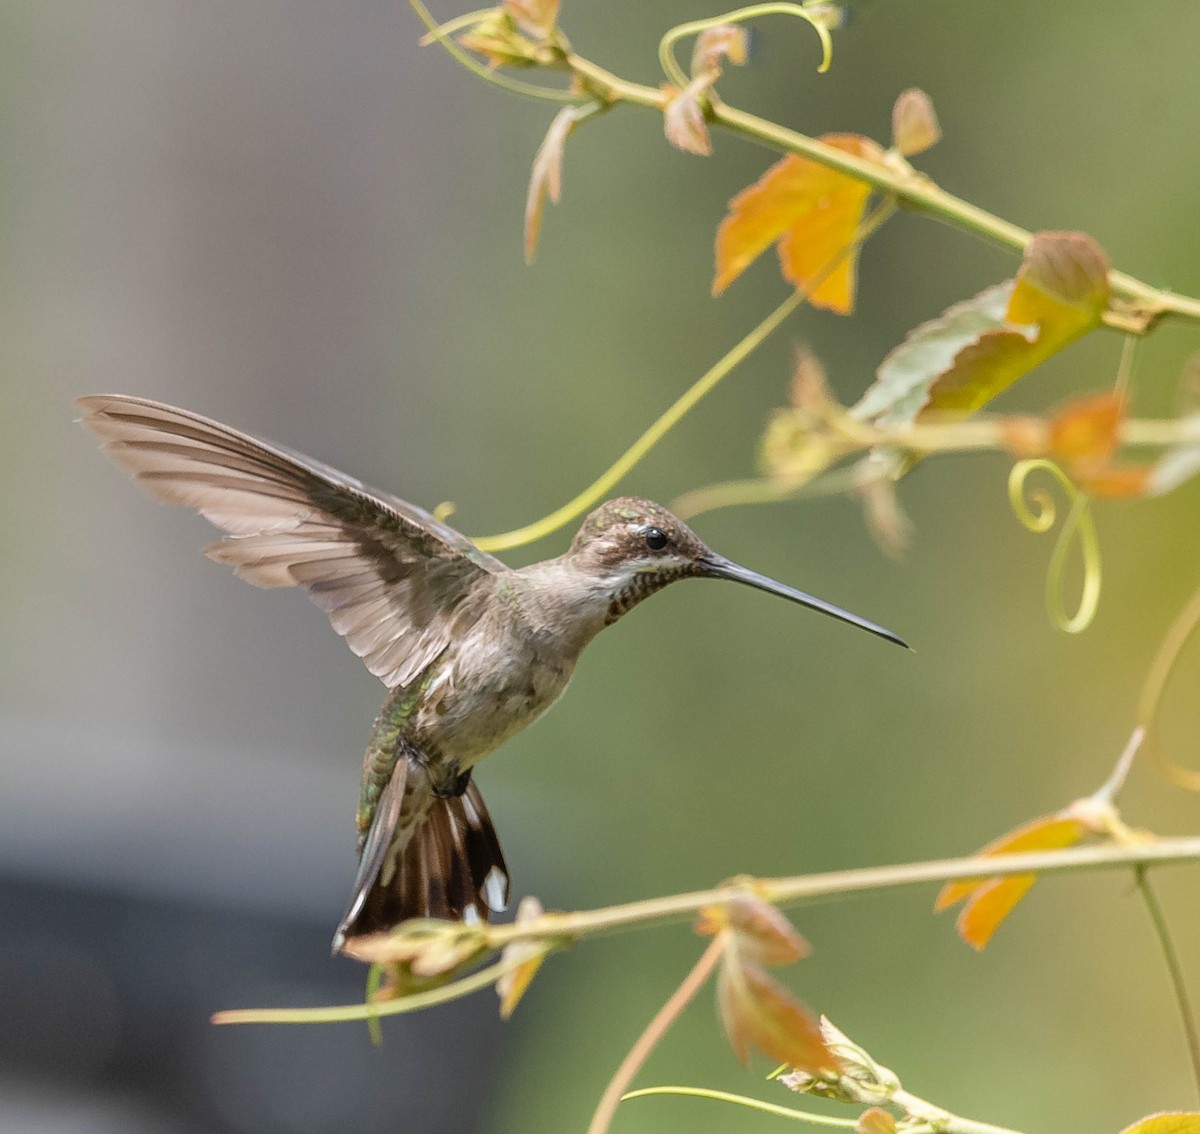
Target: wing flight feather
(388, 574)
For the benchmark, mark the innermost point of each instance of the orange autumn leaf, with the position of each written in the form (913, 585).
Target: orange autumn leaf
(528, 956)
(990, 900)
(766, 932)
(989, 905)
(757, 1012)
(1024, 435)
(1083, 436)
(875, 1121)
(1120, 482)
(1085, 430)
(812, 211)
(1049, 832)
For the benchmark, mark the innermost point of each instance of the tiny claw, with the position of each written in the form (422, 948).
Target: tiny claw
(451, 787)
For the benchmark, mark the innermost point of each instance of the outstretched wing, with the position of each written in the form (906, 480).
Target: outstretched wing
(388, 574)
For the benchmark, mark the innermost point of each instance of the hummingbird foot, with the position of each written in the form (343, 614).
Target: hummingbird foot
(451, 784)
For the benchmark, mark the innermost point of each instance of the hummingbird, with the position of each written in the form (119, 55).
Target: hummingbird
(470, 650)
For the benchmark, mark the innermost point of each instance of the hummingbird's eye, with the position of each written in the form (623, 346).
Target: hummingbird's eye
(656, 539)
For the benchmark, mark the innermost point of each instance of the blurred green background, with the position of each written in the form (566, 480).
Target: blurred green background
(288, 216)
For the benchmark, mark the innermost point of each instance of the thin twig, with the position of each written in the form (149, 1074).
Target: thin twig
(1175, 971)
(1111, 788)
(753, 1104)
(1156, 682)
(941, 1119)
(655, 1030)
(487, 74)
(686, 401)
(978, 434)
(346, 1013)
(806, 889)
(563, 928)
(911, 187)
(922, 194)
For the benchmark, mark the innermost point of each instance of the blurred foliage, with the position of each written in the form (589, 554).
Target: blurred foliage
(290, 217)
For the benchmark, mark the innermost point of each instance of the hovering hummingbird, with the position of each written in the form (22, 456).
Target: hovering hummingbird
(470, 650)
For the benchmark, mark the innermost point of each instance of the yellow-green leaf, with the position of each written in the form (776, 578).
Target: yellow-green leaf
(1085, 431)
(903, 380)
(1061, 293)
(1172, 1122)
(957, 363)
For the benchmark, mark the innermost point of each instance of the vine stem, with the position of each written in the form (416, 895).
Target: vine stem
(909, 187)
(1174, 970)
(686, 401)
(1156, 681)
(563, 929)
(347, 1013)
(753, 1104)
(441, 34)
(1113, 786)
(806, 889)
(942, 1120)
(670, 417)
(666, 47)
(932, 1119)
(649, 1039)
(978, 434)
(919, 192)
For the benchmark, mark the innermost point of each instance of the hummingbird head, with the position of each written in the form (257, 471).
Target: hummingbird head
(634, 547)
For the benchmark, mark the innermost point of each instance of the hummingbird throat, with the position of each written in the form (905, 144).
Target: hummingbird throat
(641, 585)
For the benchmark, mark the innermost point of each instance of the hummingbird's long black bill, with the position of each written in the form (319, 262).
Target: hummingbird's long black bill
(717, 567)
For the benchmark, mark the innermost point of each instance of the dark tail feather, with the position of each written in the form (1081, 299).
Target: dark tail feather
(488, 869)
(452, 864)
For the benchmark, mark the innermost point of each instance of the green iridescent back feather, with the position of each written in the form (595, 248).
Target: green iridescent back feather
(384, 746)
